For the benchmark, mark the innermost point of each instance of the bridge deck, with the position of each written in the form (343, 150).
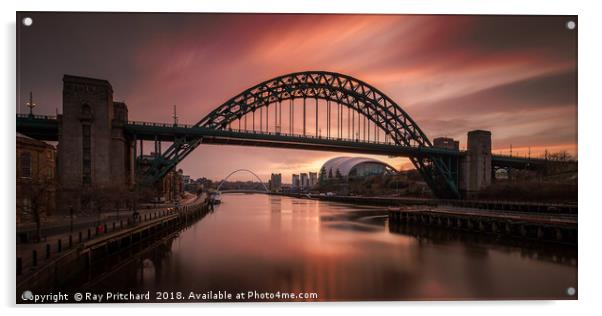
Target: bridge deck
(47, 128)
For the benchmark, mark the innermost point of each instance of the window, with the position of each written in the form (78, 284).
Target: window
(25, 163)
(86, 111)
(26, 205)
(86, 155)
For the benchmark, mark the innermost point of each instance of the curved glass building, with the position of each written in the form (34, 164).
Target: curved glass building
(355, 167)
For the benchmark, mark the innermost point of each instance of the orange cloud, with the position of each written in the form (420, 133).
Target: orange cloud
(452, 74)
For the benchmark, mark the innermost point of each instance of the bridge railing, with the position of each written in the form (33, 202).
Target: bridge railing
(259, 132)
(154, 124)
(530, 159)
(291, 135)
(309, 136)
(518, 155)
(37, 117)
(521, 155)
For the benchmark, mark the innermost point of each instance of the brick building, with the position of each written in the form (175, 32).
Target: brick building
(172, 186)
(36, 179)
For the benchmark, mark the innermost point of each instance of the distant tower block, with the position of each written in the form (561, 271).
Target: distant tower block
(447, 143)
(477, 164)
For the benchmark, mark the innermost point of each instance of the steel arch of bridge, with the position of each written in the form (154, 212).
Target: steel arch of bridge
(321, 85)
(245, 170)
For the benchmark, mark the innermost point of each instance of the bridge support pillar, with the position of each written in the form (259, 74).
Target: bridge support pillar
(476, 164)
(93, 153)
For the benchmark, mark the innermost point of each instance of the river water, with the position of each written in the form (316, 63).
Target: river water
(263, 243)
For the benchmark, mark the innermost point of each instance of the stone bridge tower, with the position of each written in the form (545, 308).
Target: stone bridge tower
(93, 152)
(476, 165)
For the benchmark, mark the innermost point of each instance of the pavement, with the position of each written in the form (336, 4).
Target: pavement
(57, 230)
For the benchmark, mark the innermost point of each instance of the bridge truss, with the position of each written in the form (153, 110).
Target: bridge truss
(367, 109)
(393, 129)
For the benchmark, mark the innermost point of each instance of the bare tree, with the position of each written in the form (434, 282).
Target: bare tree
(100, 199)
(560, 156)
(39, 193)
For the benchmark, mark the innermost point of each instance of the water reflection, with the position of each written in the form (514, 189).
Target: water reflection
(272, 243)
(475, 242)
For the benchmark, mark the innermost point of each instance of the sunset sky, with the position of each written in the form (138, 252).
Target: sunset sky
(513, 75)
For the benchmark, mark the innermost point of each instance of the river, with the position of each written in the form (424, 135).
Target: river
(263, 243)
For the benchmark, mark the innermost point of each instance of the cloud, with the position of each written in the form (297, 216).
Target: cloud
(540, 92)
(514, 75)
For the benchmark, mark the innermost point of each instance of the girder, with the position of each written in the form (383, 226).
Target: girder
(345, 90)
(185, 138)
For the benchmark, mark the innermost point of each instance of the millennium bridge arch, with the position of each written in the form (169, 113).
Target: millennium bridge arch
(350, 93)
(242, 170)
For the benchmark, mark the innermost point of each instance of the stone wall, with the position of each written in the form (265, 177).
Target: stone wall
(93, 152)
(36, 179)
(476, 164)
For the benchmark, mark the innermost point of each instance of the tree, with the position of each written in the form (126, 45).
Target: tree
(144, 193)
(559, 156)
(104, 198)
(39, 194)
(338, 174)
(322, 176)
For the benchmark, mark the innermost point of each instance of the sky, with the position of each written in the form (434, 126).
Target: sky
(513, 75)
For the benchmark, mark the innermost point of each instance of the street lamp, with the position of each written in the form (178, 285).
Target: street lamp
(71, 211)
(30, 104)
(175, 116)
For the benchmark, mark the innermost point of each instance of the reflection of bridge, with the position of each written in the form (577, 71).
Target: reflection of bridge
(333, 112)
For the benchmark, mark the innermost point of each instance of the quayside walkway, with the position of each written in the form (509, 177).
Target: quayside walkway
(35, 257)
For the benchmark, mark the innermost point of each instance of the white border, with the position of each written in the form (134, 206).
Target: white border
(590, 103)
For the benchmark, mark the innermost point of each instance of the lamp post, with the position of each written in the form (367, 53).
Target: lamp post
(175, 116)
(30, 104)
(71, 211)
